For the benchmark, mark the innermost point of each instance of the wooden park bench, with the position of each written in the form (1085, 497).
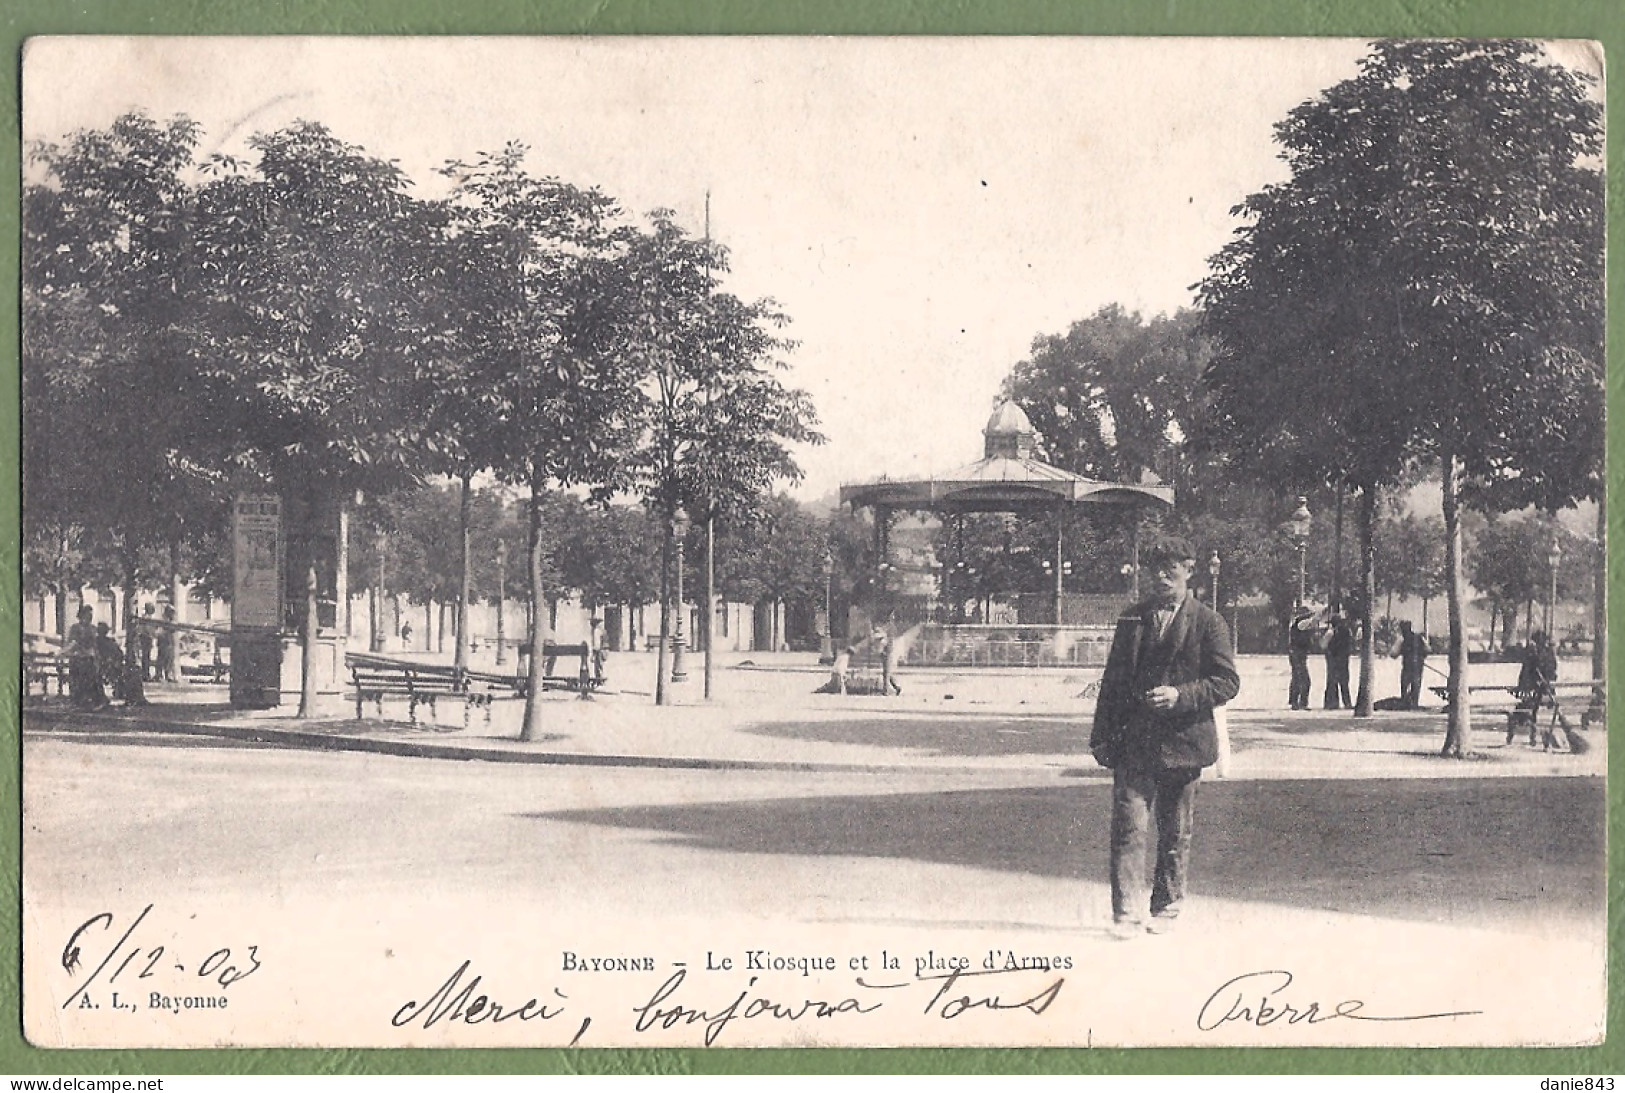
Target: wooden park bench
(583, 680)
(44, 667)
(213, 671)
(1514, 696)
(376, 678)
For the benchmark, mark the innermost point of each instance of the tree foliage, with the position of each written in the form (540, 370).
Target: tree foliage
(1115, 395)
(1429, 279)
(1426, 286)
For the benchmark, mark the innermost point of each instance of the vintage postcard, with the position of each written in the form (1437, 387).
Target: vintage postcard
(771, 542)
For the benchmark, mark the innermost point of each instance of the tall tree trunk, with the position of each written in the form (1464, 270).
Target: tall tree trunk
(177, 591)
(341, 579)
(666, 533)
(1368, 595)
(465, 584)
(1528, 619)
(531, 727)
(502, 600)
(1337, 553)
(62, 623)
(135, 693)
(1459, 722)
(381, 543)
(308, 627)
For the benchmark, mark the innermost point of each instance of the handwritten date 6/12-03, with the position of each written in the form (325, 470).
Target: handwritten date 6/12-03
(140, 954)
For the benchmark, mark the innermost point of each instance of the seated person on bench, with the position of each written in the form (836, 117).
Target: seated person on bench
(1537, 681)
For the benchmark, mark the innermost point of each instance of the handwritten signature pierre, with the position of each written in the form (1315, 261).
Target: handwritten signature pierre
(1260, 999)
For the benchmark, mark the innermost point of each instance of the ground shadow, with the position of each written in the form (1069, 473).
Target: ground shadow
(1408, 723)
(946, 735)
(55, 712)
(154, 716)
(1475, 851)
(84, 734)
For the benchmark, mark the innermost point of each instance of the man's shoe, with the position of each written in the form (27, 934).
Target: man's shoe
(1161, 924)
(1126, 929)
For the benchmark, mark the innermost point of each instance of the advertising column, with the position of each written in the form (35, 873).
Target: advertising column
(256, 602)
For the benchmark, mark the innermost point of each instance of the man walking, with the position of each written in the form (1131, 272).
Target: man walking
(144, 638)
(1339, 647)
(1413, 655)
(1300, 642)
(1169, 666)
(168, 670)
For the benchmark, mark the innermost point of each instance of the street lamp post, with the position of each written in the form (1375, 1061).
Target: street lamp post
(1554, 556)
(1060, 572)
(502, 594)
(679, 530)
(1213, 571)
(1298, 526)
(826, 647)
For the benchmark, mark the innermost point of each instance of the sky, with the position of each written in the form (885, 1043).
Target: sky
(921, 208)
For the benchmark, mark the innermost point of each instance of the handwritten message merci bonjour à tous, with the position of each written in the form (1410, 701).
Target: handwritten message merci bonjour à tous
(114, 969)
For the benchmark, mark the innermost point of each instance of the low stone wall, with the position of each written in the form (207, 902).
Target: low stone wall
(984, 646)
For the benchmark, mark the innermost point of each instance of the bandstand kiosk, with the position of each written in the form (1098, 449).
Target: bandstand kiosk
(1007, 479)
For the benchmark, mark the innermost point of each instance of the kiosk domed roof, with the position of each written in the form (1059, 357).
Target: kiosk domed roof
(1008, 420)
(1009, 434)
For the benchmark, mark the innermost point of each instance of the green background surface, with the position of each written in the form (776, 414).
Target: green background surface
(1603, 20)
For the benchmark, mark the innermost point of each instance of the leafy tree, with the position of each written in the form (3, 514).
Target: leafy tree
(312, 263)
(742, 423)
(1410, 557)
(460, 270)
(563, 388)
(108, 265)
(1509, 560)
(1115, 395)
(779, 559)
(1427, 286)
(850, 543)
(717, 421)
(609, 554)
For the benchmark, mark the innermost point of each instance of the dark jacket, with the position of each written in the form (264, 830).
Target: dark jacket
(1195, 657)
(1340, 642)
(1539, 669)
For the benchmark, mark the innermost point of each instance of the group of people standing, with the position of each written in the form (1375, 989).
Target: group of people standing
(96, 661)
(1335, 634)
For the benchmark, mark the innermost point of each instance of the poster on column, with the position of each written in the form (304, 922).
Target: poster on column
(1013, 380)
(256, 562)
